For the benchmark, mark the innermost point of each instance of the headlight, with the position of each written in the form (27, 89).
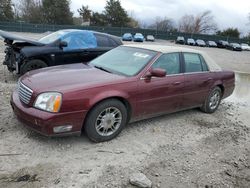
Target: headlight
(50, 101)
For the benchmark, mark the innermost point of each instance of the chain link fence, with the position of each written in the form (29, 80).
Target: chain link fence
(118, 31)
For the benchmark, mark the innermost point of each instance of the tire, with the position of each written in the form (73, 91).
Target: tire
(106, 120)
(32, 65)
(212, 101)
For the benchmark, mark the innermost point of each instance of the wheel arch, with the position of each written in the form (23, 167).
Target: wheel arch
(123, 100)
(221, 86)
(44, 59)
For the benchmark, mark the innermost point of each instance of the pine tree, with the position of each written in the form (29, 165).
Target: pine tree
(6, 11)
(57, 12)
(116, 16)
(31, 11)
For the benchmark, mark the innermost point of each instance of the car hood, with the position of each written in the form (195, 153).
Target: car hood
(68, 78)
(12, 37)
(29, 51)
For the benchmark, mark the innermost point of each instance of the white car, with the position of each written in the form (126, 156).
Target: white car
(245, 46)
(150, 38)
(190, 41)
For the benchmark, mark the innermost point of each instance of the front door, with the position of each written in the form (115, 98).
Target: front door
(161, 95)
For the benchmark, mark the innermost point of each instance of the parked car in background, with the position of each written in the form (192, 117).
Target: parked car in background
(222, 44)
(245, 46)
(200, 43)
(150, 38)
(234, 47)
(211, 43)
(127, 37)
(61, 47)
(180, 40)
(190, 41)
(126, 84)
(138, 37)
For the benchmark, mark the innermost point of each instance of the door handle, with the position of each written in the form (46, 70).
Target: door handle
(176, 83)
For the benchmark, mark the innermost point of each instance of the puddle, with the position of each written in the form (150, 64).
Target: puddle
(242, 89)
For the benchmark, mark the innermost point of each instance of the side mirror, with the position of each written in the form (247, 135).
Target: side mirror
(157, 72)
(63, 44)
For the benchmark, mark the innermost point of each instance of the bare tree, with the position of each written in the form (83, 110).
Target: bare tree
(201, 23)
(186, 24)
(85, 13)
(30, 10)
(162, 24)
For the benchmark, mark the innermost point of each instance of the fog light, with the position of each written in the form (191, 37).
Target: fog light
(61, 129)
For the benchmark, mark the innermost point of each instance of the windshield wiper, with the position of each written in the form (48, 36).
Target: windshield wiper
(102, 68)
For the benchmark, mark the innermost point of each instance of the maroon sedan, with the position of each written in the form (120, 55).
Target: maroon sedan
(126, 84)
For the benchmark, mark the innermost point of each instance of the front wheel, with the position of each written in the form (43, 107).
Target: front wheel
(32, 65)
(212, 101)
(106, 120)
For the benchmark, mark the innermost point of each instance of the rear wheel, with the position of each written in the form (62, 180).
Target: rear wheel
(32, 65)
(212, 101)
(106, 120)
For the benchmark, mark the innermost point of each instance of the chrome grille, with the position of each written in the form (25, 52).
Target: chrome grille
(24, 93)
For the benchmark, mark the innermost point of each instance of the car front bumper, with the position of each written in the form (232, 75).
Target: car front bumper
(45, 122)
(138, 40)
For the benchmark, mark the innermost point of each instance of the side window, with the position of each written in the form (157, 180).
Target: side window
(170, 62)
(112, 43)
(192, 62)
(77, 41)
(204, 64)
(102, 41)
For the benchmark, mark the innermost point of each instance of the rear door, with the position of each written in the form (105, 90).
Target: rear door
(198, 80)
(104, 43)
(162, 95)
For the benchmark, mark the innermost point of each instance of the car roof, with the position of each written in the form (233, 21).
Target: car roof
(171, 49)
(163, 49)
(117, 39)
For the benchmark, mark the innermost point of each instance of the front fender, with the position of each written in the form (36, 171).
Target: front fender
(106, 95)
(26, 55)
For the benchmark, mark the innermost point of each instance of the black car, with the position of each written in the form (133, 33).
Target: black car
(234, 47)
(222, 44)
(180, 40)
(61, 47)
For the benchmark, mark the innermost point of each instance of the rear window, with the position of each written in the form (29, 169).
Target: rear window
(104, 41)
(192, 62)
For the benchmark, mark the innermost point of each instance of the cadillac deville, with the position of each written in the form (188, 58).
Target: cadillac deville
(126, 84)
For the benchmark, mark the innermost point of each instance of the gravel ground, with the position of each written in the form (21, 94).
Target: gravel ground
(184, 149)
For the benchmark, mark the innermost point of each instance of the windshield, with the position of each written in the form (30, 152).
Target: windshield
(123, 60)
(138, 35)
(52, 37)
(236, 44)
(127, 35)
(200, 41)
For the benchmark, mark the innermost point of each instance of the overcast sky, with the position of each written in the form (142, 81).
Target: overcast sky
(227, 13)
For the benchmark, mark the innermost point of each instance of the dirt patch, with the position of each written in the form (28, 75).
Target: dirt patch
(184, 149)
(35, 176)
